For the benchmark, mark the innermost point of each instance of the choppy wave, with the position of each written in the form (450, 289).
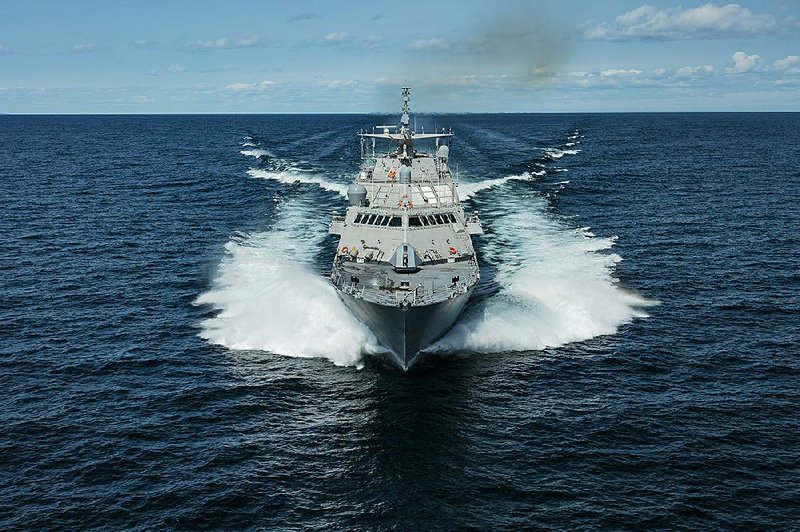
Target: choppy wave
(556, 153)
(257, 152)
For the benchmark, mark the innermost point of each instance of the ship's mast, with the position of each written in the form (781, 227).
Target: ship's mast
(406, 144)
(404, 148)
(406, 118)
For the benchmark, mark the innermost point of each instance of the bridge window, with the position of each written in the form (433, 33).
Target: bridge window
(395, 221)
(358, 219)
(413, 221)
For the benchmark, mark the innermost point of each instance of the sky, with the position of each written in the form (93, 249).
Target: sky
(91, 56)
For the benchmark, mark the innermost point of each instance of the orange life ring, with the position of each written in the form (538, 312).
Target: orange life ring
(391, 174)
(345, 250)
(452, 250)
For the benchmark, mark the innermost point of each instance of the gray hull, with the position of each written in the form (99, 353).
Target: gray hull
(407, 330)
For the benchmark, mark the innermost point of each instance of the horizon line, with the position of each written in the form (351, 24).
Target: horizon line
(367, 113)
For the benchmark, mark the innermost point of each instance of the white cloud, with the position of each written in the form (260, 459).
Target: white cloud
(308, 15)
(338, 83)
(336, 37)
(371, 41)
(177, 69)
(4, 50)
(611, 72)
(83, 48)
(707, 21)
(624, 78)
(743, 63)
(145, 44)
(694, 71)
(482, 81)
(224, 43)
(434, 43)
(251, 87)
(790, 64)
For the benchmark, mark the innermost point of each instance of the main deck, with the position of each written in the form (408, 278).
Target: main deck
(431, 185)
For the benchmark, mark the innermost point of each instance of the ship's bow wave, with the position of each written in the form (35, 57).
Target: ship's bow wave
(556, 284)
(269, 297)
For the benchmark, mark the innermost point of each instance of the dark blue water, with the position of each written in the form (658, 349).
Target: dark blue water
(171, 356)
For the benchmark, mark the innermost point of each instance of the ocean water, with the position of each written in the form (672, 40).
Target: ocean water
(173, 355)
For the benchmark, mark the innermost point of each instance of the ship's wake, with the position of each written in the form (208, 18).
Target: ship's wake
(289, 173)
(469, 189)
(293, 176)
(556, 283)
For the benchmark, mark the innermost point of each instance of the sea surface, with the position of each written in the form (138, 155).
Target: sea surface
(172, 355)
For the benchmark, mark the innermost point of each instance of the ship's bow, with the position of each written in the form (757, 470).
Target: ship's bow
(408, 329)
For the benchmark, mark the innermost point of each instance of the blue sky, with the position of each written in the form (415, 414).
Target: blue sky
(467, 56)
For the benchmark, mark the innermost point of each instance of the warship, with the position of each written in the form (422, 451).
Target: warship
(405, 265)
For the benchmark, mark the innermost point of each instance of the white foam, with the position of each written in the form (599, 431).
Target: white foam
(294, 176)
(467, 190)
(258, 152)
(247, 144)
(270, 299)
(557, 287)
(555, 153)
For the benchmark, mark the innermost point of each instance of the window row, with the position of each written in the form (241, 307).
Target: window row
(378, 219)
(431, 219)
(422, 220)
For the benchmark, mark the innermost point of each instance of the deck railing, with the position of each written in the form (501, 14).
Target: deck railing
(404, 296)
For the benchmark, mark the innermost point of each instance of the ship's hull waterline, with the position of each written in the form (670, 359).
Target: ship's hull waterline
(407, 330)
